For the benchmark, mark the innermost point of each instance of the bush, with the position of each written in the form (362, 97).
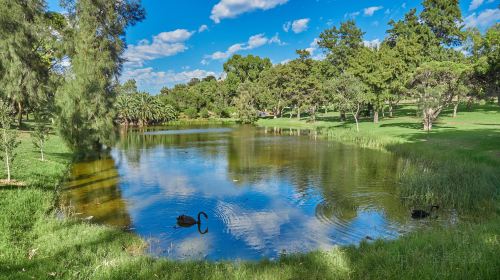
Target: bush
(204, 113)
(191, 113)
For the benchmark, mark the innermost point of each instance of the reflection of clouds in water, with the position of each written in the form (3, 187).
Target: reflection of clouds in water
(254, 227)
(172, 185)
(193, 247)
(193, 178)
(282, 228)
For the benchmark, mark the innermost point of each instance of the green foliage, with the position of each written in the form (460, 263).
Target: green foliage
(8, 141)
(191, 112)
(245, 102)
(444, 19)
(246, 68)
(435, 84)
(40, 134)
(204, 113)
(349, 94)
(87, 96)
(142, 109)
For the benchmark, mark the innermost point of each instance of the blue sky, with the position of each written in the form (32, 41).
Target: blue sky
(180, 40)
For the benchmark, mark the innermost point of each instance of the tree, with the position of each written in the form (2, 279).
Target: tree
(349, 94)
(25, 73)
(40, 133)
(341, 45)
(444, 19)
(9, 141)
(434, 84)
(246, 68)
(88, 94)
(245, 102)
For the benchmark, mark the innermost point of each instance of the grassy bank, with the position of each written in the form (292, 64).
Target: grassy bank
(36, 243)
(456, 165)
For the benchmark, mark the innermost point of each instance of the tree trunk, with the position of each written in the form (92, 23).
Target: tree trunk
(298, 112)
(326, 110)
(428, 118)
(375, 116)
(7, 160)
(390, 109)
(20, 114)
(356, 115)
(455, 107)
(314, 113)
(342, 116)
(41, 149)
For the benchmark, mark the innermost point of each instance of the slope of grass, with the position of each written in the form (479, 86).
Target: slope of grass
(36, 243)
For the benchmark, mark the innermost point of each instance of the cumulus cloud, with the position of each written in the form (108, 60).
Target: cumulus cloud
(164, 44)
(300, 25)
(233, 8)
(203, 28)
(253, 42)
(371, 10)
(147, 77)
(483, 19)
(374, 44)
(476, 3)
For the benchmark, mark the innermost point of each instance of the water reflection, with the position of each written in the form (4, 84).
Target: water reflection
(266, 191)
(92, 191)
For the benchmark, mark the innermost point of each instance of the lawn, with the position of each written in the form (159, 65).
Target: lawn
(456, 164)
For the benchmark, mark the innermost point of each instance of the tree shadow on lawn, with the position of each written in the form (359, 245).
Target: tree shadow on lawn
(416, 126)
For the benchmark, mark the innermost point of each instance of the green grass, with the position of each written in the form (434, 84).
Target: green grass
(456, 165)
(36, 244)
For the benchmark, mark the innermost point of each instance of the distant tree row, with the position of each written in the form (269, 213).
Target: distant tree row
(428, 57)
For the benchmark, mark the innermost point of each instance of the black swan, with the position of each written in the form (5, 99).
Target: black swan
(187, 221)
(420, 214)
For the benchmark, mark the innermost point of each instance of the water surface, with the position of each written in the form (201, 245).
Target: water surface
(266, 191)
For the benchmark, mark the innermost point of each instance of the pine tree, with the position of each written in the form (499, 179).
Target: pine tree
(86, 99)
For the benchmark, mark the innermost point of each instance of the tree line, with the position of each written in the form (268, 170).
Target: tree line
(428, 57)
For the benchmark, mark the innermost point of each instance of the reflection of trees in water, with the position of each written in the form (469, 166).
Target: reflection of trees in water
(93, 190)
(348, 177)
(133, 143)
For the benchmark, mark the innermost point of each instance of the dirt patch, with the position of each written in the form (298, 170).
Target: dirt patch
(11, 183)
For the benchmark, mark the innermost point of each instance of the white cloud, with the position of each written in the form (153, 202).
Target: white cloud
(371, 10)
(313, 48)
(147, 77)
(300, 25)
(403, 5)
(203, 28)
(253, 42)
(233, 8)
(484, 19)
(374, 44)
(475, 4)
(351, 15)
(164, 44)
(287, 25)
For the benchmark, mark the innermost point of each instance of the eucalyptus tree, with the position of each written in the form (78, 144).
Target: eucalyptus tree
(246, 102)
(276, 79)
(349, 94)
(341, 46)
(435, 85)
(40, 134)
(87, 96)
(8, 141)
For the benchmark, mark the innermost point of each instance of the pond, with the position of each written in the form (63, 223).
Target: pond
(266, 192)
